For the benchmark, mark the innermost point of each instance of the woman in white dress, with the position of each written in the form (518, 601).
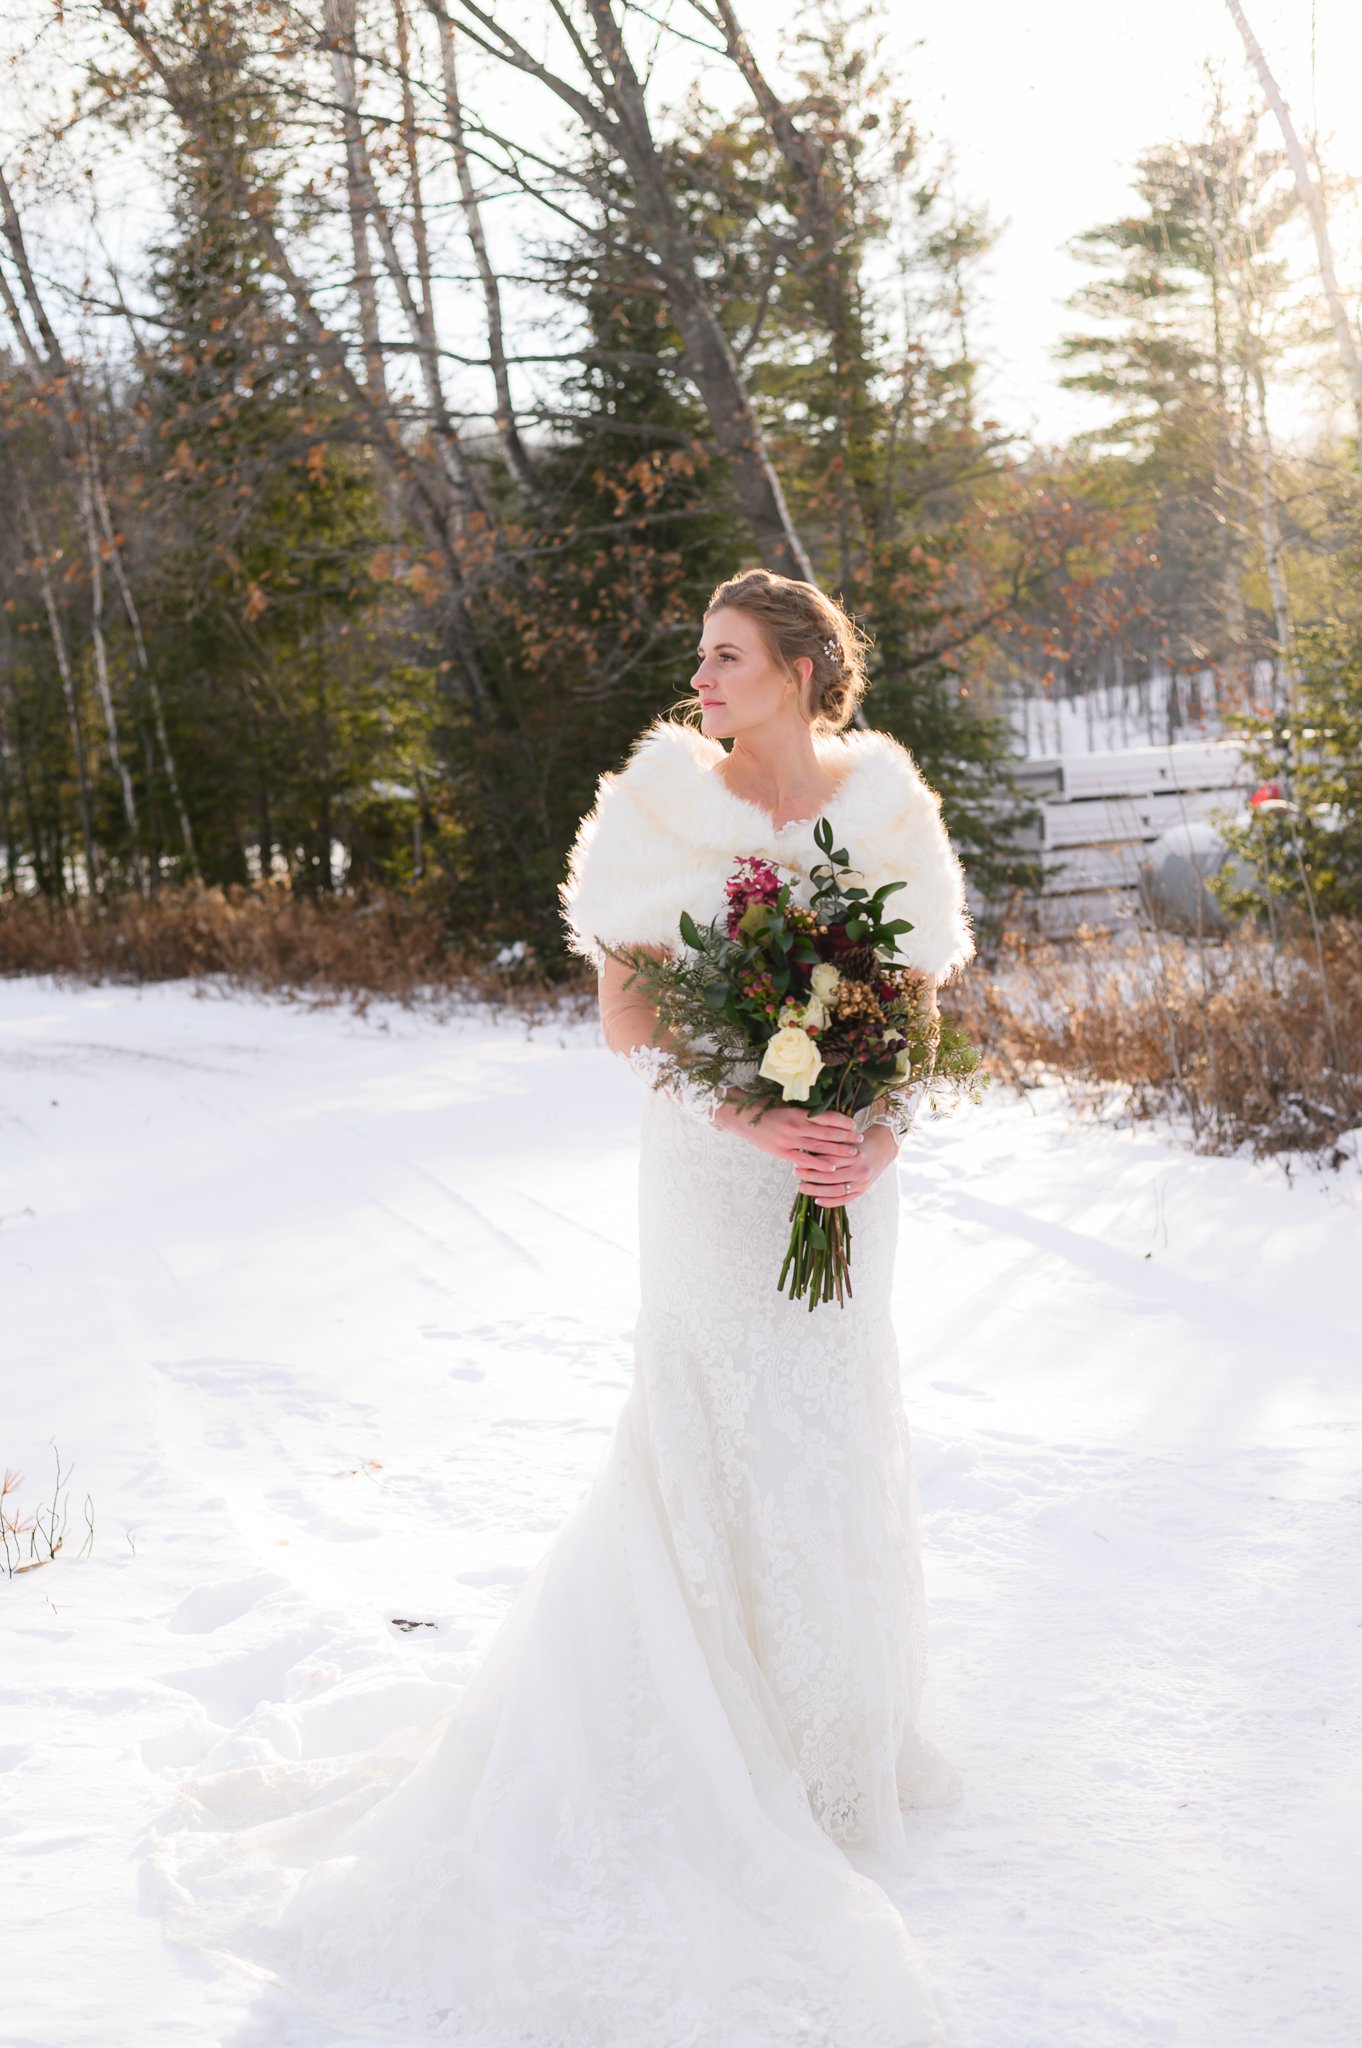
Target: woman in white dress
(636, 1829)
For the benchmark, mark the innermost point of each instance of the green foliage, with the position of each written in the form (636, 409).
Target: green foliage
(721, 996)
(1303, 853)
(744, 990)
(1180, 336)
(589, 629)
(849, 315)
(422, 655)
(262, 519)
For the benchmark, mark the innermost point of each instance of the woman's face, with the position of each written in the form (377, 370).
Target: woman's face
(739, 682)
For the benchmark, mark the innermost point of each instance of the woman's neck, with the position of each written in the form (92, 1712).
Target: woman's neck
(780, 772)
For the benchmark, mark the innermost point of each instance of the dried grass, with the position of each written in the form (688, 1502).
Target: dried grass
(1250, 1044)
(29, 1540)
(355, 948)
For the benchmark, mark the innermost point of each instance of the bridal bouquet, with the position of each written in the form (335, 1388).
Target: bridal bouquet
(775, 1001)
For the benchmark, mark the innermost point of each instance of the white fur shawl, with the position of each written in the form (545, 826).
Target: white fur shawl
(664, 833)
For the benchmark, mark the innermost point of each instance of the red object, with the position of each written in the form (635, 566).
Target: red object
(752, 881)
(1266, 793)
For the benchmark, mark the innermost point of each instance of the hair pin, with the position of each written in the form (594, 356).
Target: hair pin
(830, 649)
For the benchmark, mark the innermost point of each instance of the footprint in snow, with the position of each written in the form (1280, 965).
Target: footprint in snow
(231, 1689)
(212, 1607)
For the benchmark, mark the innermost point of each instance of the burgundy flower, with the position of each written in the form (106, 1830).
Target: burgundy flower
(759, 884)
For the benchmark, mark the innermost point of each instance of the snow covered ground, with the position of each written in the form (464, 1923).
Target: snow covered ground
(331, 1317)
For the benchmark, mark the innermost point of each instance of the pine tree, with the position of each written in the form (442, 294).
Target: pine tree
(1182, 342)
(592, 631)
(852, 322)
(263, 512)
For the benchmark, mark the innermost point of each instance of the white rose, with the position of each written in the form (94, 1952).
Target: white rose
(792, 1058)
(823, 981)
(904, 1058)
(813, 1016)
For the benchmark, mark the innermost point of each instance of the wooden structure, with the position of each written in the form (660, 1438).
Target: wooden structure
(1100, 814)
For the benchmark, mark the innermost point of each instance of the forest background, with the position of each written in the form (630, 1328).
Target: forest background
(366, 509)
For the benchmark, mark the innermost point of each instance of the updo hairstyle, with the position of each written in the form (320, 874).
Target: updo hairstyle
(797, 619)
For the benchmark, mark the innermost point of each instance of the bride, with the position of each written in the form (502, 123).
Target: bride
(640, 1826)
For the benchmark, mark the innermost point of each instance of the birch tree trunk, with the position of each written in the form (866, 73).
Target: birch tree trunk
(411, 150)
(339, 21)
(418, 313)
(1311, 198)
(1238, 280)
(101, 657)
(42, 563)
(50, 371)
(1272, 541)
(508, 432)
(9, 755)
(153, 689)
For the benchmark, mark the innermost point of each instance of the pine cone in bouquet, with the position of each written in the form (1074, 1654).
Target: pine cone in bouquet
(863, 964)
(834, 1047)
(858, 963)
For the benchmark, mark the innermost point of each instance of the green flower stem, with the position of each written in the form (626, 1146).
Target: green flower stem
(818, 1272)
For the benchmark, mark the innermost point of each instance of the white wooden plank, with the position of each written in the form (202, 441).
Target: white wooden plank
(1096, 823)
(1092, 867)
(1100, 909)
(1139, 771)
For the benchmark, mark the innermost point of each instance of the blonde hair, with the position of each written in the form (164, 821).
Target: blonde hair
(799, 620)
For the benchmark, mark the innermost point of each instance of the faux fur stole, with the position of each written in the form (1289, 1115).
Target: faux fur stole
(664, 833)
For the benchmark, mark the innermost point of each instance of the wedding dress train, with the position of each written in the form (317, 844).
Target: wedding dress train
(626, 1835)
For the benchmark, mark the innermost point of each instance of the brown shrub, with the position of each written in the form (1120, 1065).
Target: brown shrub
(1250, 1043)
(268, 938)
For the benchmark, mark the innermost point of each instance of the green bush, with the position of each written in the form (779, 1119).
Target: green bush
(1303, 850)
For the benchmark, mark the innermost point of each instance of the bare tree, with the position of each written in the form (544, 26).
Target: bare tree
(817, 195)
(339, 25)
(517, 458)
(42, 564)
(1233, 272)
(611, 105)
(61, 387)
(94, 548)
(444, 492)
(1312, 199)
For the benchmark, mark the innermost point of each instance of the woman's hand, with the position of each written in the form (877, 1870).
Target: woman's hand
(833, 1160)
(827, 1181)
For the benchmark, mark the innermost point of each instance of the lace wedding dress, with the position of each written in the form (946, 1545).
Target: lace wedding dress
(636, 1828)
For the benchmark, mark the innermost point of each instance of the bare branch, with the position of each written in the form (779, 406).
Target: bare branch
(517, 459)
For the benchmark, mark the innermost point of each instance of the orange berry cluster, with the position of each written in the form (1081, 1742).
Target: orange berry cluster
(857, 1002)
